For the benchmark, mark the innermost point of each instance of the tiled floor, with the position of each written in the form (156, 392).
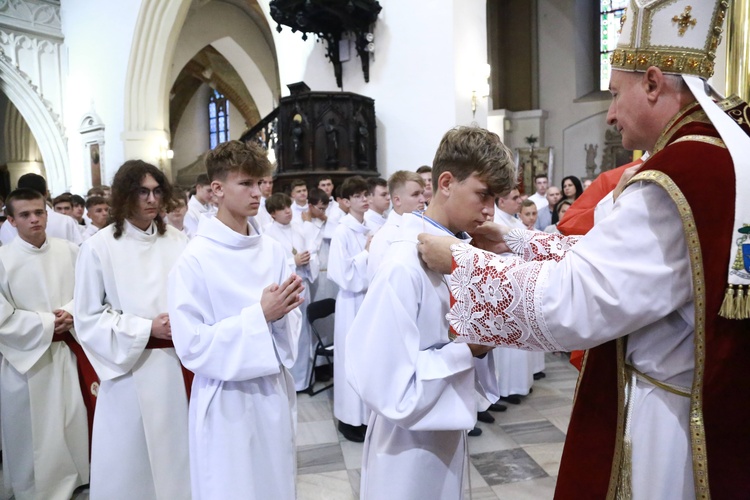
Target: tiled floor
(517, 457)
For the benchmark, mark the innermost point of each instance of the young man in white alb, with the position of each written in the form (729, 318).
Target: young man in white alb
(97, 210)
(139, 446)
(400, 359)
(44, 421)
(299, 244)
(407, 195)
(379, 201)
(200, 204)
(58, 225)
(233, 303)
(347, 267)
(298, 189)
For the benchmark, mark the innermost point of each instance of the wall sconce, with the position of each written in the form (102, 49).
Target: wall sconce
(484, 88)
(165, 154)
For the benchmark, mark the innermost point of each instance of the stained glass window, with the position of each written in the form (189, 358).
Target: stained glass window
(611, 12)
(218, 119)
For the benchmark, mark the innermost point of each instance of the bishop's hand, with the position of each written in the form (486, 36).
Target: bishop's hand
(491, 237)
(435, 251)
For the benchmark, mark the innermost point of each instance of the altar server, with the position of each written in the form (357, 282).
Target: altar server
(44, 423)
(419, 385)
(233, 302)
(139, 444)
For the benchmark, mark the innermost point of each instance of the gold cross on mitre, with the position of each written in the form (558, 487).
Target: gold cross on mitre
(684, 20)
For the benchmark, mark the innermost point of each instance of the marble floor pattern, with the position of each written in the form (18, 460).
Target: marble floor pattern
(517, 457)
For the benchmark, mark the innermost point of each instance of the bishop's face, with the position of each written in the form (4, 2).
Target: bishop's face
(629, 108)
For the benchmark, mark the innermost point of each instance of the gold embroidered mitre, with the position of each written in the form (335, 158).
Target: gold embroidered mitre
(677, 36)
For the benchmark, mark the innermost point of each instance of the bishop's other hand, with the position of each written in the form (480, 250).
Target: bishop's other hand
(491, 237)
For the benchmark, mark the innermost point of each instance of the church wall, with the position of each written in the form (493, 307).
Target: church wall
(237, 124)
(98, 37)
(239, 40)
(191, 136)
(562, 66)
(423, 51)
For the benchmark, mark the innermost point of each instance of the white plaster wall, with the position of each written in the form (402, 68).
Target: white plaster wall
(421, 46)
(191, 136)
(98, 37)
(238, 39)
(237, 125)
(574, 157)
(557, 91)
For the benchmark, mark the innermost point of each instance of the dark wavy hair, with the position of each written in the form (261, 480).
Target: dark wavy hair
(576, 182)
(124, 200)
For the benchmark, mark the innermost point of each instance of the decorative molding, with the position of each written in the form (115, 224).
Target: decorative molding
(37, 17)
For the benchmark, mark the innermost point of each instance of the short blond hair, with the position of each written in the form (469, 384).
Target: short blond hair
(464, 151)
(400, 178)
(233, 156)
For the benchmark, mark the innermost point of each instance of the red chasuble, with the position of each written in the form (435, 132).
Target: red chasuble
(692, 165)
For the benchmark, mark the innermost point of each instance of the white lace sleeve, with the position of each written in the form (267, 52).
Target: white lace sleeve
(497, 300)
(539, 246)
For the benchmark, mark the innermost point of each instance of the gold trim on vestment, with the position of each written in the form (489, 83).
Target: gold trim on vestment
(715, 141)
(670, 130)
(617, 457)
(697, 429)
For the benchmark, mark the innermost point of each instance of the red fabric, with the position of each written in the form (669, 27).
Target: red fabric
(589, 448)
(88, 380)
(187, 375)
(579, 219)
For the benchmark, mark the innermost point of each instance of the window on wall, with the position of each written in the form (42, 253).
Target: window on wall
(611, 12)
(218, 119)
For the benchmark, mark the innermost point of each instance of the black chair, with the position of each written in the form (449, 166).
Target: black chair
(320, 309)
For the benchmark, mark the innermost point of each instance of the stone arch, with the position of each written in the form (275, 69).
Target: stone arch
(44, 124)
(147, 84)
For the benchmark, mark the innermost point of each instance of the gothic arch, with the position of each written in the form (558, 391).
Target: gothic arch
(147, 82)
(43, 123)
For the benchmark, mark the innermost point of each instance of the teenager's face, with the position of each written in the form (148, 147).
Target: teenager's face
(178, 214)
(299, 195)
(98, 214)
(318, 211)
(238, 194)
(77, 212)
(327, 186)
(266, 186)
(541, 185)
(64, 207)
(149, 201)
(357, 204)
(427, 178)
(380, 200)
(284, 216)
(470, 203)
(30, 219)
(203, 193)
(528, 216)
(409, 197)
